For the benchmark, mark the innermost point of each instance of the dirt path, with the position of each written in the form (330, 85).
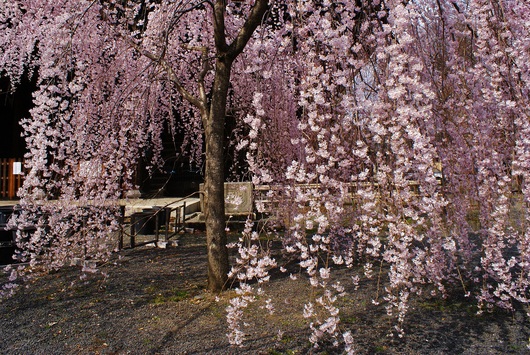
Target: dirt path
(153, 302)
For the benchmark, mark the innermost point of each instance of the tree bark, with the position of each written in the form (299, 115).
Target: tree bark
(218, 266)
(214, 180)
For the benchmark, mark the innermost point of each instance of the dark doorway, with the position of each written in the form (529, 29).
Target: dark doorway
(14, 105)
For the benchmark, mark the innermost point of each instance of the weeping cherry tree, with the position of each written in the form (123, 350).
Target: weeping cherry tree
(347, 109)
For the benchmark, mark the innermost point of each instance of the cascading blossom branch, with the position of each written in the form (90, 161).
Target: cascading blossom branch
(95, 111)
(380, 106)
(252, 265)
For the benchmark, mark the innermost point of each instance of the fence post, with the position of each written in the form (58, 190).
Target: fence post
(11, 180)
(4, 167)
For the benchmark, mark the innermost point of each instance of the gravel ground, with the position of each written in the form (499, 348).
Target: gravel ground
(152, 301)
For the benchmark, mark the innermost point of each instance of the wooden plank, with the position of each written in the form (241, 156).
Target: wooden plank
(4, 176)
(11, 180)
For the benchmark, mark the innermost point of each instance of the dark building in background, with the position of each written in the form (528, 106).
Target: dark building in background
(14, 105)
(174, 178)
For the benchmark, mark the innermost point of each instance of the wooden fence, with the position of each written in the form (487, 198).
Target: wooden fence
(11, 177)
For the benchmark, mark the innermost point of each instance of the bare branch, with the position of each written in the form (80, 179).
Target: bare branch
(219, 25)
(179, 13)
(159, 59)
(205, 68)
(253, 21)
(171, 75)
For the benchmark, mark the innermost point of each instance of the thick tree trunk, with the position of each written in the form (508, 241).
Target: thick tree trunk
(213, 116)
(214, 180)
(214, 131)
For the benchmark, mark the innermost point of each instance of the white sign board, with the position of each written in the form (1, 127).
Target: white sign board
(238, 198)
(17, 168)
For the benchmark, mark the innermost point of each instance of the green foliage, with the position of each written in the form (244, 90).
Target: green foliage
(444, 306)
(173, 296)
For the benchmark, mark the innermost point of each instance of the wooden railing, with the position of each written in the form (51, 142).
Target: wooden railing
(11, 177)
